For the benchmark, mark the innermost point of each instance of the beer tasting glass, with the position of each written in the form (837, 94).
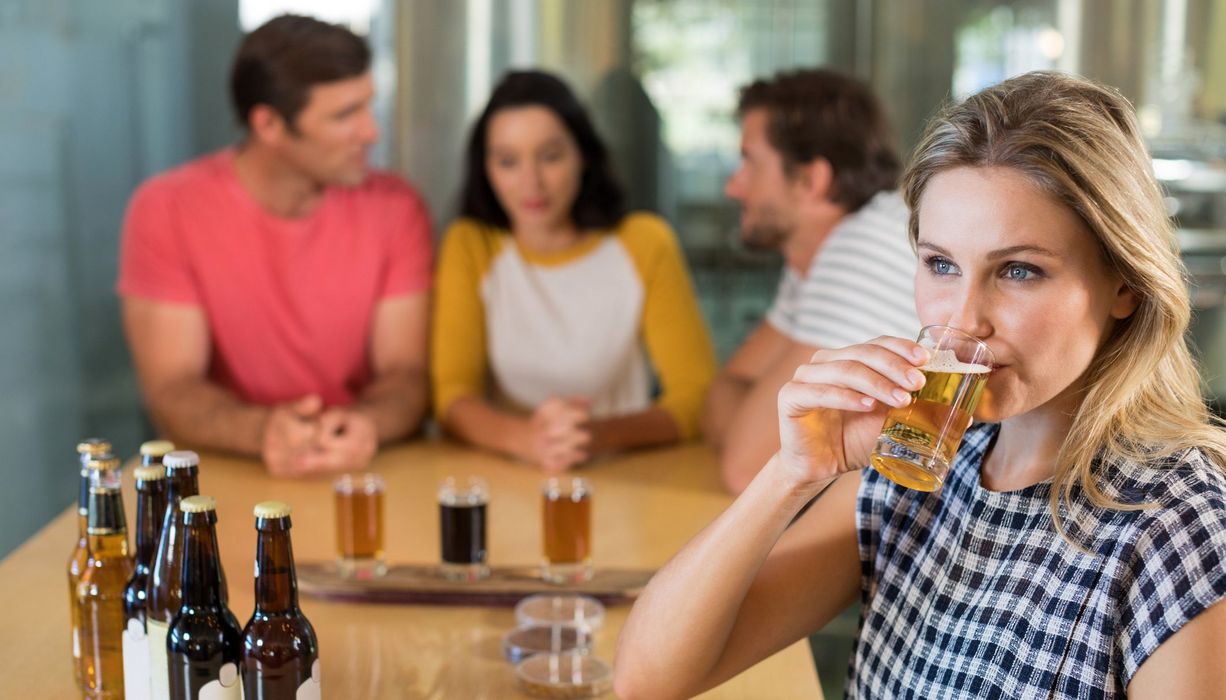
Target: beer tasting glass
(461, 512)
(359, 525)
(566, 524)
(918, 443)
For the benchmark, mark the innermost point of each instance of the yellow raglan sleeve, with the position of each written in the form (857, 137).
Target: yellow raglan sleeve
(458, 360)
(672, 325)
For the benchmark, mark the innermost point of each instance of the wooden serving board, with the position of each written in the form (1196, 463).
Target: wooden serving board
(424, 585)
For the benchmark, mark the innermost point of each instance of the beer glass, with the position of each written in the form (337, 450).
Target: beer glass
(461, 512)
(919, 440)
(566, 524)
(359, 525)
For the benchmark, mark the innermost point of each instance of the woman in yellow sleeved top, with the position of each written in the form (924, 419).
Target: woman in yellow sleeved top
(553, 307)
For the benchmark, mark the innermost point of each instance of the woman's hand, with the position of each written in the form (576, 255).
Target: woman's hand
(560, 434)
(832, 411)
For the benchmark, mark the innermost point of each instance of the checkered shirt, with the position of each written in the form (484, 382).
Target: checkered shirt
(971, 593)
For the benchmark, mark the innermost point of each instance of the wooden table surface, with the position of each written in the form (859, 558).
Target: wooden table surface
(645, 507)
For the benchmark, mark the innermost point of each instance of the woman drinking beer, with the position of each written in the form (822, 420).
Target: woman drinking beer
(1078, 545)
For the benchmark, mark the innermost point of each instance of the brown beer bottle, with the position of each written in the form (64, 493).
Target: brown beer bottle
(150, 509)
(204, 645)
(99, 599)
(162, 596)
(280, 652)
(87, 448)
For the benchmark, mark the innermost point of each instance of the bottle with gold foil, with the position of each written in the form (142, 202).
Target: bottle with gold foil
(280, 651)
(87, 448)
(99, 599)
(150, 509)
(204, 645)
(162, 598)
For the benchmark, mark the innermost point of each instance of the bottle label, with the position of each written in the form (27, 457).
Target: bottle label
(309, 690)
(225, 687)
(159, 674)
(135, 661)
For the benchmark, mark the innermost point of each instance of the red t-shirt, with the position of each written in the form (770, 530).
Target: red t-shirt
(289, 302)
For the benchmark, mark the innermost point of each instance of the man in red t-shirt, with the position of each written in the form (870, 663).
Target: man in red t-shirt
(274, 294)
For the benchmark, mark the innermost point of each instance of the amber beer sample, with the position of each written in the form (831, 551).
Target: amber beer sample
(462, 504)
(566, 509)
(99, 599)
(89, 447)
(280, 651)
(150, 509)
(359, 525)
(204, 644)
(162, 597)
(919, 441)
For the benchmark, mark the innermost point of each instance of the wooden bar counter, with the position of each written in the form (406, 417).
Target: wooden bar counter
(646, 505)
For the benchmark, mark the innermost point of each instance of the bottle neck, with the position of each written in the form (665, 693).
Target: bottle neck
(276, 582)
(200, 577)
(113, 545)
(150, 510)
(180, 483)
(106, 512)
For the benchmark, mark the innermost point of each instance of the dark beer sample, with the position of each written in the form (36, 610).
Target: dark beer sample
(463, 533)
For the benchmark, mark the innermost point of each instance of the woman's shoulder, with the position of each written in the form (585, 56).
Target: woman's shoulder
(472, 241)
(647, 236)
(1188, 478)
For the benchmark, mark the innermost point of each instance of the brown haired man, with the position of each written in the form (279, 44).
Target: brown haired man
(274, 294)
(816, 179)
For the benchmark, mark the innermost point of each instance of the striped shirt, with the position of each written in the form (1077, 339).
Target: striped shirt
(860, 284)
(972, 593)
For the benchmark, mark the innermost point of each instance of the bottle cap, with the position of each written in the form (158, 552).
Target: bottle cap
(105, 461)
(180, 459)
(93, 446)
(272, 509)
(149, 472)
(198, 504)
(156, 448)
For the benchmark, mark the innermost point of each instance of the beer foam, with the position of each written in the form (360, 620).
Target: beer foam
(946, 361)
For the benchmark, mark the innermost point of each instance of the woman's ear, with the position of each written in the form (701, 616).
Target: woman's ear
(1126, 302)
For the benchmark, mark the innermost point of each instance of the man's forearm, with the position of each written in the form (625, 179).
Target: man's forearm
(644, 429)
(724, 399)
(396, 402)
(199, 413)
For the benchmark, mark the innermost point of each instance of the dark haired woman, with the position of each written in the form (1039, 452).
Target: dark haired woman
(553, 306)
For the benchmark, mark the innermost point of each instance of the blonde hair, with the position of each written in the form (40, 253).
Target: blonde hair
(1079, 142)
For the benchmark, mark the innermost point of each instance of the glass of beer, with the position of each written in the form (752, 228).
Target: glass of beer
(566, 523)
(359, 525)
(919, 440)
(461, 513)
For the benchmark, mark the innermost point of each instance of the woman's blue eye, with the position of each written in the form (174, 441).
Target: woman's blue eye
(940, 266)
(1020, 272)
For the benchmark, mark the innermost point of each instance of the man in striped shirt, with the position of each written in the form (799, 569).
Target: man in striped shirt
(816, 182)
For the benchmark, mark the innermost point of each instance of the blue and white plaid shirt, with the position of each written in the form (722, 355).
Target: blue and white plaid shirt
(972, 593)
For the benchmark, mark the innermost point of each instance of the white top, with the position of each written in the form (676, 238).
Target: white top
(593, 346)
(861, 283)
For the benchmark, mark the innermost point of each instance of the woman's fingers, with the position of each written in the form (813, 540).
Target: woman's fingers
(799, 398)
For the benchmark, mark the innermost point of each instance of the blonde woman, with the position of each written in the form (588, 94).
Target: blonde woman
(1078, 547)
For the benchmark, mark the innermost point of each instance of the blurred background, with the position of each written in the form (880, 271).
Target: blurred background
(96, 96)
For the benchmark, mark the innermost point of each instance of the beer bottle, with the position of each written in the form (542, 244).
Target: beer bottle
(204, 645)
(280, 652)
(87, 448)
(150, 509)
(162, 596)
(100, 592)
